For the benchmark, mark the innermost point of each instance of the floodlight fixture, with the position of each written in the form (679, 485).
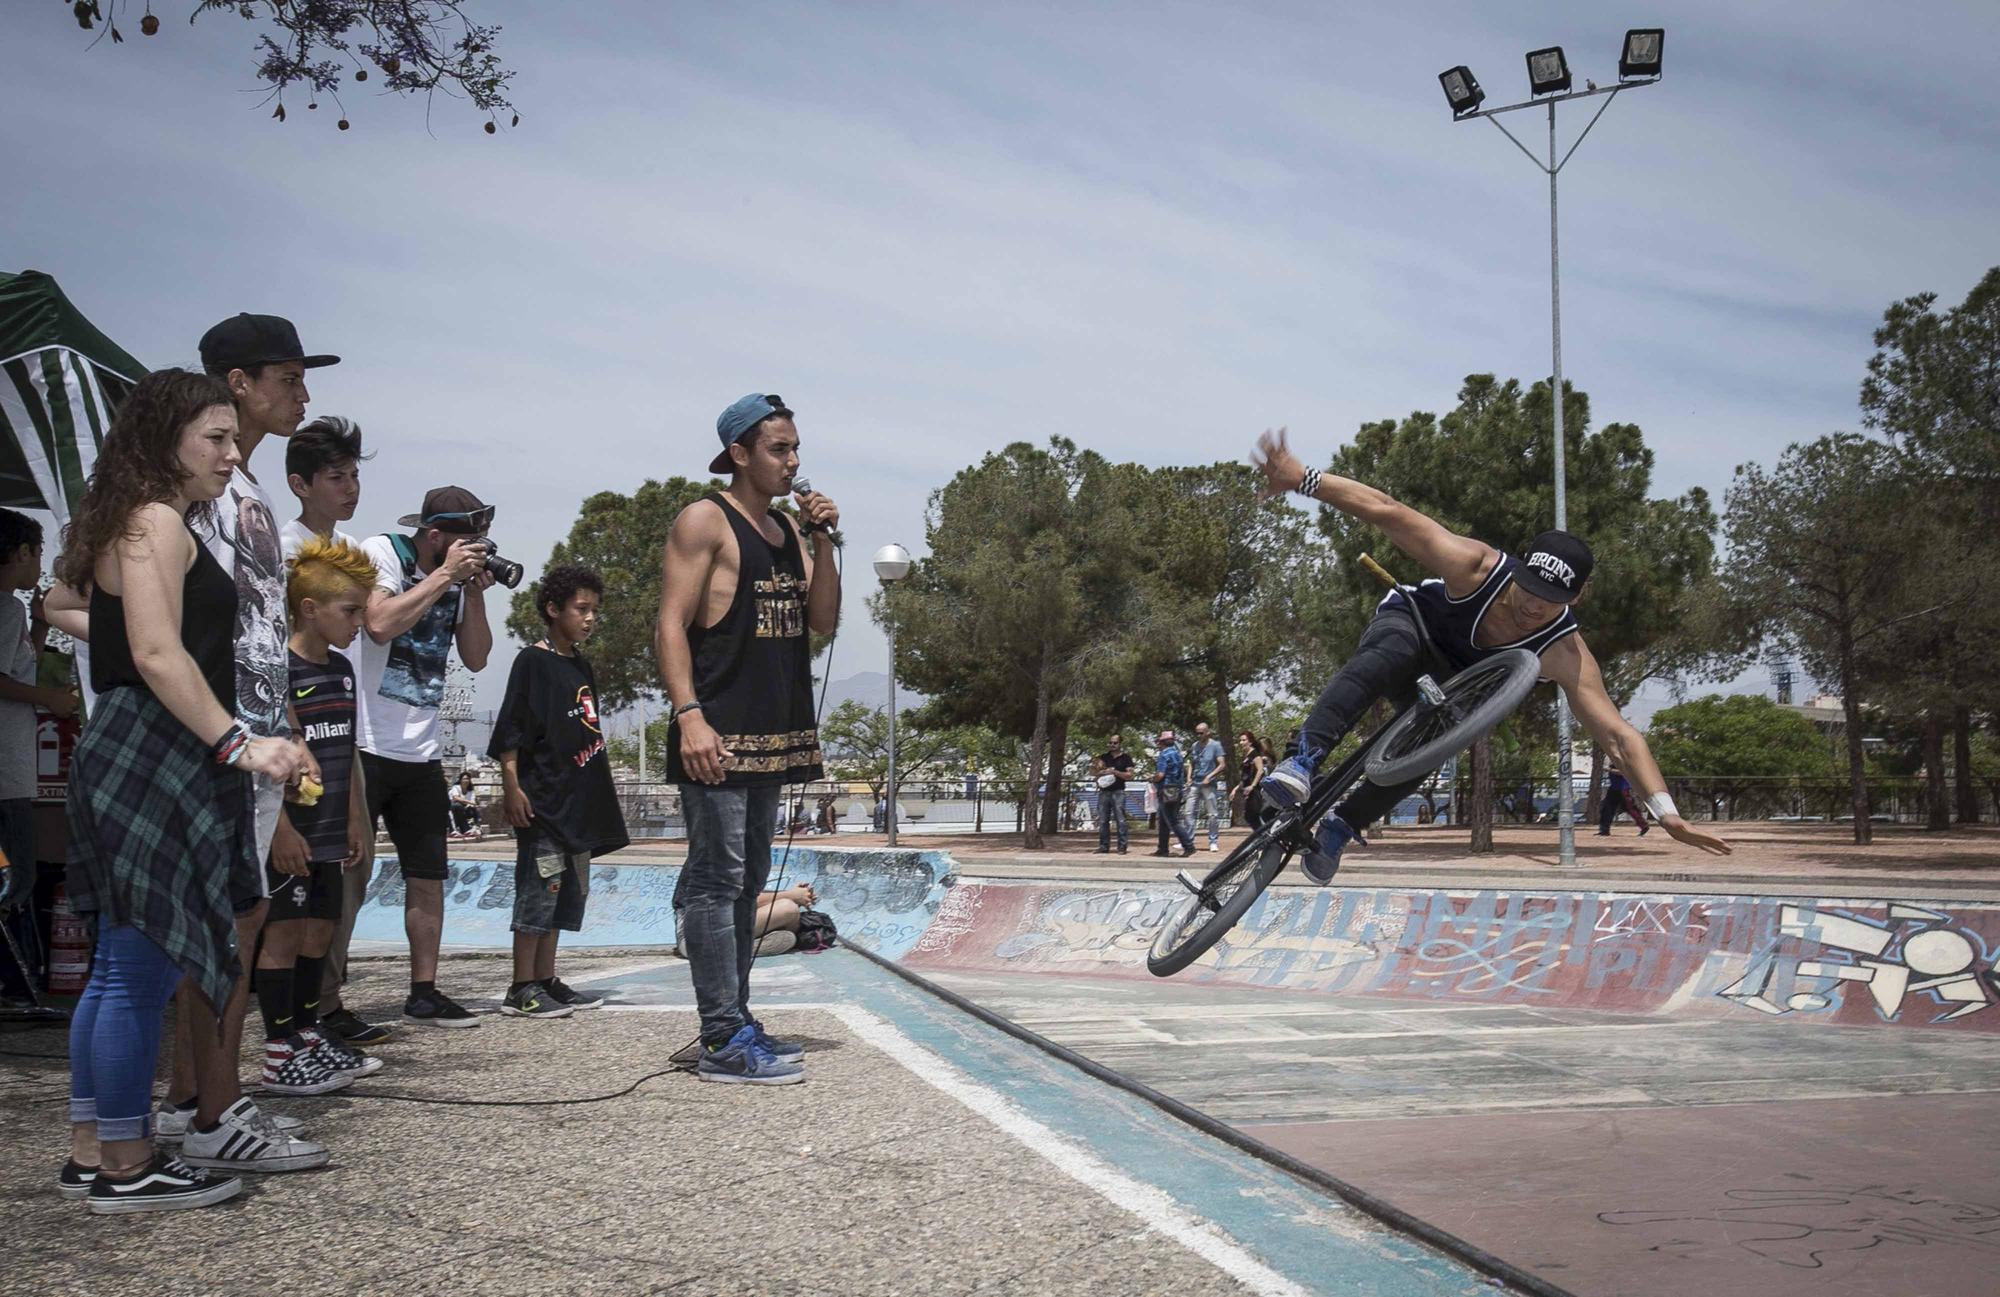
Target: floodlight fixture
(1461, 90)
(892, 563)
(1548, 71)
(1640, 59)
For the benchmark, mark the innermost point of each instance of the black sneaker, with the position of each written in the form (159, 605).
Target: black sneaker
(688, 1056)
(351, 1029)
(564, 993)
(532, 1000)
(436, 1009)
(74, 1181)
(169, 1184)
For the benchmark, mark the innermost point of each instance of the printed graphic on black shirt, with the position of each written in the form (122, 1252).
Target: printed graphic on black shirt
(781, 607)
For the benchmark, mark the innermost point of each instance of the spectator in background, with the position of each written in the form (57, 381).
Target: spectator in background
(1116, 763)
(22, 631)
(464, 807)
(1170, 775)
(1207, 759)
(1617, 797)
(549, 742)
(1253, 762)
(162, 839)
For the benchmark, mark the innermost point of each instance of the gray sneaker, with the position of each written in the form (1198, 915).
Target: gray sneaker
(243, 1141)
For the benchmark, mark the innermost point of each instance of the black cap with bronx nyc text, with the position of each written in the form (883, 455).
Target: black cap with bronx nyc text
(1555, 567)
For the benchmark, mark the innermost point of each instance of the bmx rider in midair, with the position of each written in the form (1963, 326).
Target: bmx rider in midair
(1480, 603)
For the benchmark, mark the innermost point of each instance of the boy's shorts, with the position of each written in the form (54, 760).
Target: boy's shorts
(550, 885)
(314, 894)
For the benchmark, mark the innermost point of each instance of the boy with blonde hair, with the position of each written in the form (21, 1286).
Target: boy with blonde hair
(326, 594)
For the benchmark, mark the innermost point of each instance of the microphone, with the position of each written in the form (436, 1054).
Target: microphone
(804, 486)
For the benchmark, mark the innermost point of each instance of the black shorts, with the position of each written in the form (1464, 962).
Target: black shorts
(312, 895)
(410, 797)
(550, 885)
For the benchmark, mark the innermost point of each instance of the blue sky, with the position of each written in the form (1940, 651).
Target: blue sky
(939, 228)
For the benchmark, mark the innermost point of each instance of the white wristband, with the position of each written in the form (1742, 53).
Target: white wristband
(1662, 806)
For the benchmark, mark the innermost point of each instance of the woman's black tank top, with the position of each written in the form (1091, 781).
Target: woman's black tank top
(753, 667)
(208, 629)
(1453, 623)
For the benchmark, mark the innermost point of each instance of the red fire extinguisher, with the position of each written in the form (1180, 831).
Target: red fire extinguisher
(69, 948)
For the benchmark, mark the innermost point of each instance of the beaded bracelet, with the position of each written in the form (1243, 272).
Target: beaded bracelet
(230, 746)
(1309, 484)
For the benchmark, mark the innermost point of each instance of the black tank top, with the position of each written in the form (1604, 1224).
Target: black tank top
(208, 629)
(753, 667)
(1454, 623)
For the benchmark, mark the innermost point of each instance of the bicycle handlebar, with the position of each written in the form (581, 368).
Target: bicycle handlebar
(1380, 573)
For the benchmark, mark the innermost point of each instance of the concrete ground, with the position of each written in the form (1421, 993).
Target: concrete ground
(927, 1153)
(1615, 1155)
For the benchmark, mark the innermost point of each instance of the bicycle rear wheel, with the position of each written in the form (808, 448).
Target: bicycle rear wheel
(1475, 701)
(1200, 920)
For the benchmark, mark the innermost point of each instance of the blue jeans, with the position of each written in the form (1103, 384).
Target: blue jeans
(1208, 800)
(728, 863)
(1174, 814)
(1111, 810)
(114, 1035)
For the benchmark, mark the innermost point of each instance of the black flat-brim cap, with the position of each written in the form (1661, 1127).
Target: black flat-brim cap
(246, 340)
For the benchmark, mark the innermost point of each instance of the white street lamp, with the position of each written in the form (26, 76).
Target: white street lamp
(892, 563)
(1549, 82)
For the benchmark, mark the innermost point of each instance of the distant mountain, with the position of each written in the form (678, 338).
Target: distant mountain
(870, 689)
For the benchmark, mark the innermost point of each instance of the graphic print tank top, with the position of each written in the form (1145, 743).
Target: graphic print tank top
(1454, 623)
(753, 667)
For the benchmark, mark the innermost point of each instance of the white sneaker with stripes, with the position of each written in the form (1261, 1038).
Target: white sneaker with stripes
(245, 1141)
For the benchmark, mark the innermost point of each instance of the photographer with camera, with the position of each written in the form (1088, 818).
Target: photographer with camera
(430, 590)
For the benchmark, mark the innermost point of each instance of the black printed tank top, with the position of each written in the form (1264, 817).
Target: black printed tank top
(753, 667)
(1453, 623)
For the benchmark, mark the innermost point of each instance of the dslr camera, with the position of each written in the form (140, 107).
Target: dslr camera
(505, 570)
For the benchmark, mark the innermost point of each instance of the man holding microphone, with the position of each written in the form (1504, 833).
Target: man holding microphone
(740, 597)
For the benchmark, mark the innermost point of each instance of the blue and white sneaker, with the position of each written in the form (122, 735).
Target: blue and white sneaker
(745, 1061)
(1332, 836)
(785, 1051)
(1290, 781)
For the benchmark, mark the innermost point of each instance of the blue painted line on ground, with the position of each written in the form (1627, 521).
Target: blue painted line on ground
(1314, 1240)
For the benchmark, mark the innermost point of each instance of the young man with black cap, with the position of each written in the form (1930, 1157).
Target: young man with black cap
(1482, 602)
(739, 594)
(430, 591)
(262, 360)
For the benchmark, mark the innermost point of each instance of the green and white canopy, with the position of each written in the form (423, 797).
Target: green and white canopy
(60, 381)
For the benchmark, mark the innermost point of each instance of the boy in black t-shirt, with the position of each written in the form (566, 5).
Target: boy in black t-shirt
(326, 592)
(550, 746)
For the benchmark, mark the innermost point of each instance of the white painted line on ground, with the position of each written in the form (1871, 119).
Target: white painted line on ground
(1154, 1207)
(768, 1006)
(1287, 1035)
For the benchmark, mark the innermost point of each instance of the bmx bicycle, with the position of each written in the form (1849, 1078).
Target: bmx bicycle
(1441, 721)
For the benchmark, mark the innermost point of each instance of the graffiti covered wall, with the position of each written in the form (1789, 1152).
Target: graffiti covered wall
(1783, 957)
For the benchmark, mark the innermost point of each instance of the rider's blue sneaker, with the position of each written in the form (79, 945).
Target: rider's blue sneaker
(1289, 782)
(1332, 837)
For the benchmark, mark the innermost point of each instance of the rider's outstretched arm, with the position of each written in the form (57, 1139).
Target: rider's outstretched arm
(1571, 665)
(1460, 560)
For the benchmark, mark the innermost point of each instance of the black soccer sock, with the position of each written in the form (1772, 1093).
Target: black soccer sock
(274, 1000)
(306, 974)
(423, 988)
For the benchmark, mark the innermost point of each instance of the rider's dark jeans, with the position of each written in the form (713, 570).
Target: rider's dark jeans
(728, 862)
(1386, 664)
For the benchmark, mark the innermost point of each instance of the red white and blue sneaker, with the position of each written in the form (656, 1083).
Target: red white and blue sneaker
(338, 1055)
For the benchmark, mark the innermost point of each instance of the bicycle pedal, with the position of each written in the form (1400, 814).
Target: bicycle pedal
(1187, 880)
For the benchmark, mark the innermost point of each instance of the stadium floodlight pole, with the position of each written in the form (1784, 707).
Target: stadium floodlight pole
(1549, 83)
(892, 563)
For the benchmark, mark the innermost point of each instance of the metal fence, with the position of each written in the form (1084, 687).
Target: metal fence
(969, 806)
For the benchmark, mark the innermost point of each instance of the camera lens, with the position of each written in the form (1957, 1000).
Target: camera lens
(506, 571)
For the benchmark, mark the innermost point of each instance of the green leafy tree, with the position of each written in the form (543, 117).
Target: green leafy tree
(407, 47)
(1026, 599)
(1729, 743)
(1486, 469)
(622, 536)
(855, 739)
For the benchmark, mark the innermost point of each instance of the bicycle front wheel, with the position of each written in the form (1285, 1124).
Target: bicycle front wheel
(1476, 700)
(1199, 920)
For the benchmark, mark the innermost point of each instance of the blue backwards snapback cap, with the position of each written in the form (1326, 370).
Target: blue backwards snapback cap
(732, 424)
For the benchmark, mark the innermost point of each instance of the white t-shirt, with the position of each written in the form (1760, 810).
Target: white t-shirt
(402, 682)
(244, 540)
(295, 534)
